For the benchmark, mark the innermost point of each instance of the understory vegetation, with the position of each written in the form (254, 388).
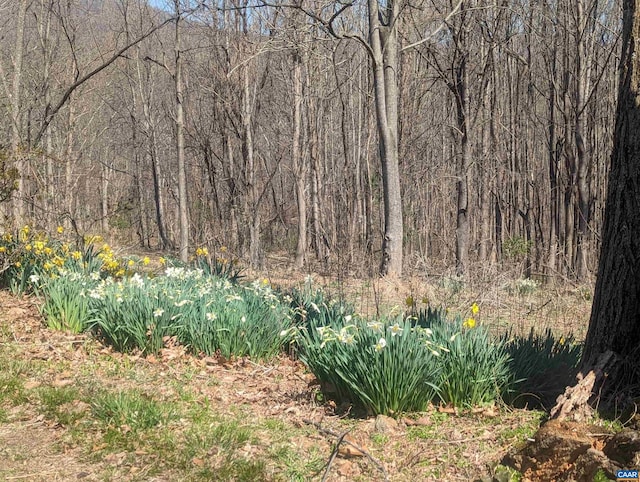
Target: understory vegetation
(391, 364)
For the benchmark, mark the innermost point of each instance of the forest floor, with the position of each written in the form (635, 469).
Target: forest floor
(72, 409)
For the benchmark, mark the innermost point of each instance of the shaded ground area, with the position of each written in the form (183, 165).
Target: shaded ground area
(212, 419)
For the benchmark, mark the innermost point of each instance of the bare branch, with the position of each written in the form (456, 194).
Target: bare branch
(436, 31)
(50, 113)
(327, 24)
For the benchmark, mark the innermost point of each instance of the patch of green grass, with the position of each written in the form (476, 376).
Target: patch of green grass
(202, 446)
(241, 470)
(275, 425)
(507, 474)
(12, 375)
(291, 462)
(601, 476)
(423, 432)
(379, 439)
(522, 430)
(226, 434)
(295, 466)
(431, 431)
(56, 404)
(132, 410)
(5, 333)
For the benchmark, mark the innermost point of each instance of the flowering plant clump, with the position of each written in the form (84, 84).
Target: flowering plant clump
(130, 314)
(475, 369)
(65, 302)
(221, 266)
(312, 307)
(235, 320)
(28, 251)
(25, 253)
(383, 366)
(207, 314)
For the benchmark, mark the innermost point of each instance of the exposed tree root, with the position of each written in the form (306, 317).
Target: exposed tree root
(576, 402)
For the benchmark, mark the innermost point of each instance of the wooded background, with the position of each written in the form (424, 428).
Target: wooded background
(261, 127)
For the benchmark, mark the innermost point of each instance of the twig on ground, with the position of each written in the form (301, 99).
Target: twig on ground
(341, 440)
(333, 456)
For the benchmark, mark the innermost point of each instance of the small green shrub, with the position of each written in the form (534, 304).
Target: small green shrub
(516, 247)
(12, 376)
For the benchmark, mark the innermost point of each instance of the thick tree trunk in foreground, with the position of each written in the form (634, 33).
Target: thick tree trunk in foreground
(614, 328)
(615, 317)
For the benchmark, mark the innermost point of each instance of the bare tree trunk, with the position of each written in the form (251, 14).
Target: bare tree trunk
(18, 200)
(554, 211)
(104, 198)
(68, 167)
(183, 248)
(383, 38)
(615, 316)
(583, 71)
(299, 169)
(459, 87)
(152, 151)
(44, 33)
(462, 184)
(314, 135)
(252, 208)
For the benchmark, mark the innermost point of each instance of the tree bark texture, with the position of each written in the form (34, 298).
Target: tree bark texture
(615, 316)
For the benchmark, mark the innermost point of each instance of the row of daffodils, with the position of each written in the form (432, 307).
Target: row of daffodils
(386, 365)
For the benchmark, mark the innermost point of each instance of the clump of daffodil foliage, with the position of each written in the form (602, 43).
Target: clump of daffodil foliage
(476, 368)
(384, 366)
(207, 314)
(404, 363)
(201, 306)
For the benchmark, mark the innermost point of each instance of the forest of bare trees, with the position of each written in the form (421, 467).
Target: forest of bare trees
(373, 136)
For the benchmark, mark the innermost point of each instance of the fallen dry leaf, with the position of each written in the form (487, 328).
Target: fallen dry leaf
(348, 450)
(447, 409)
(422, 421)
